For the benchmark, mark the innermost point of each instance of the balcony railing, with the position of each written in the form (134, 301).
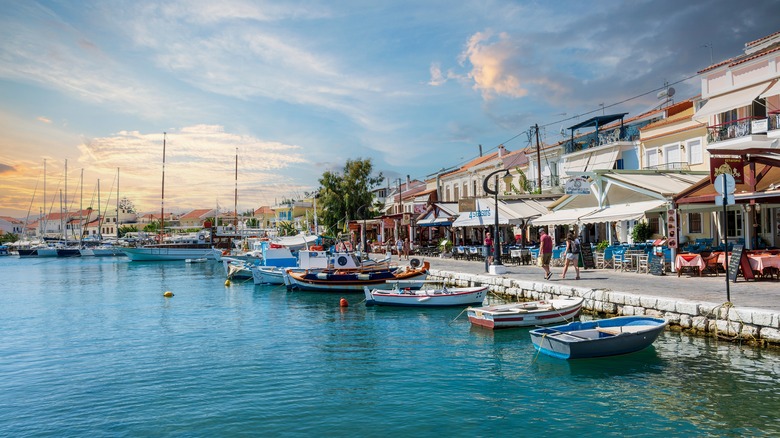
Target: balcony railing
(608, 136)
(548, 182)
(735, 129)
(774, 121)
(680, 165)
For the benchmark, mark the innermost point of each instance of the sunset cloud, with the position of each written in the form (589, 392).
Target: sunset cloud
(489, 58)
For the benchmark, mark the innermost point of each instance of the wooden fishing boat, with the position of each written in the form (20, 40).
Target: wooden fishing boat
(529, 314)
(604, 337)
(441, 297)
(354, 279)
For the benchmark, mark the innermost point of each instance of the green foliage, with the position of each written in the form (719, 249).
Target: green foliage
(286, 228)
(8, 237)
(152, 227)
(601, 246)
(347, 196)
(124, 229)
(641, 232)
(445, 245)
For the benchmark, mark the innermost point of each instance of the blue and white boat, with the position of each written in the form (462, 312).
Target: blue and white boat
(604, 337)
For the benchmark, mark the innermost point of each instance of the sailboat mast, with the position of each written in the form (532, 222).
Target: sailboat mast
(162, 199)
(81, 208)
(235, 196)
(64, 233)
(41, 221)
(99, 218)
(117, 203)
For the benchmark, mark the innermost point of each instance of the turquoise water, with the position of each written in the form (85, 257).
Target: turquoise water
(90, 347)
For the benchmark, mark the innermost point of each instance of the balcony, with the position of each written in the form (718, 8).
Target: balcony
(548, 182)
(602, 138)
(735, 129)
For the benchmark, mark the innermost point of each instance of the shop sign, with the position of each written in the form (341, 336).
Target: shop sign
(731, 166)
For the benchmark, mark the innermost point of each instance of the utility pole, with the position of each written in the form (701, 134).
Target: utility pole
(538, 158)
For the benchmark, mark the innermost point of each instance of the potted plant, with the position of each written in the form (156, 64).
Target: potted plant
(446, 247)
(601, 246)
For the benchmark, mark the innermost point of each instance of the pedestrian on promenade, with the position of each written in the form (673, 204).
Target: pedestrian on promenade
(406, 249)
(488, 248)
(572, 255)
(399, 247)
(545, 252)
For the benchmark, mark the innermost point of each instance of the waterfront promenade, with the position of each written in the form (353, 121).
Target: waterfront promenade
(761, 294)
(689, 302)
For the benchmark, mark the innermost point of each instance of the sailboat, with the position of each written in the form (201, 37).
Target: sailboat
(102, 249)
(172, 251)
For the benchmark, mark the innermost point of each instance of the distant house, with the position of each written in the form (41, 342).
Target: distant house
(195, 218)
(9, 225)
(265, 216)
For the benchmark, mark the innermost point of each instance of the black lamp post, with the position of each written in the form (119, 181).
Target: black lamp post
(496, 241)
(363, 232)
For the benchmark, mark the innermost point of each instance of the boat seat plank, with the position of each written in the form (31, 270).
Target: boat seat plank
(625, 329)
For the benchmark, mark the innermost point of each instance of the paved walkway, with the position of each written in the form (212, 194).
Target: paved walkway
(760, 294)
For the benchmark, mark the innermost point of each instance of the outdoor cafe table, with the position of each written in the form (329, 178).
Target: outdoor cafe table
(635, 255)
(520, 255)
(689, 261)
(758, 261)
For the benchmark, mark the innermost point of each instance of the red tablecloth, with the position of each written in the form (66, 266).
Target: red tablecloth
(683, 260)
(760, 262)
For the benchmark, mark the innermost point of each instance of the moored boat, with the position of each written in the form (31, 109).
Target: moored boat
(604, 337)
(528, 314)
(354, 279)
(168, 252)
(440, 297)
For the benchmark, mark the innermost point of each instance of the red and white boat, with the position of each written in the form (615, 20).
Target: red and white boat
(443, 297)
(529, 314)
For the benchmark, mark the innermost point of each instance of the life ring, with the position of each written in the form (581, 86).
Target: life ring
(201, 238)
(316, 248)
(342, 261)
(414, 262)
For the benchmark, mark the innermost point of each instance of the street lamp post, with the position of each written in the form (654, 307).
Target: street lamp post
(363, 232)
(496, 267)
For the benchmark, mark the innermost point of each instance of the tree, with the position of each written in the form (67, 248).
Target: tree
(124, 229)
(126, 205)
(343, 194)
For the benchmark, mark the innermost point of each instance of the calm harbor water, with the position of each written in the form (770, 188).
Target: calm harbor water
(90, 347)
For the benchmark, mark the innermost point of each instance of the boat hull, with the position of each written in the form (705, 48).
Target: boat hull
(530, 314)
(606, 337)
(149, 254)
(426, 298)
(268, 275)
(354, 280)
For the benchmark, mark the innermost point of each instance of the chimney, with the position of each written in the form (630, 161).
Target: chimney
(501, 151)
(408, 182)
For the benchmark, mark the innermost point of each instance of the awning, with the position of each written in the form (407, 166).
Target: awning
(485, 215)
(774, 90)
(565, 216)
(433, 219)
(725, 102)
(528, 208)
(621, 212)
(602, 158)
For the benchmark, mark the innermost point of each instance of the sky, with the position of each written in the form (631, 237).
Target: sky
(291, 89)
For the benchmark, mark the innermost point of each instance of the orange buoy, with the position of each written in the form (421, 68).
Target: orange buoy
(343, 303)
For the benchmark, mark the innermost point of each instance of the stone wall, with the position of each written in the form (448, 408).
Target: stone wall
(754, 326)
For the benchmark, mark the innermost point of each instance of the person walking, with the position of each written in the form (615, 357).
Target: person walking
(406, 249)
(572, 255)
(399, 247)
(488, 248)
(545, 252)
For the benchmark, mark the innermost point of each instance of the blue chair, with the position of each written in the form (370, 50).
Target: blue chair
(618, 257)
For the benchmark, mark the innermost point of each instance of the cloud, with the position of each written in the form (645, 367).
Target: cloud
(5, 168)
(200, 162)
(491, 72)
(43, 119)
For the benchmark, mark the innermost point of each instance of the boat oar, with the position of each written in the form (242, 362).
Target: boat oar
(563, 333)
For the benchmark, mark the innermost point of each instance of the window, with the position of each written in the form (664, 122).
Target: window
(651, 158)
(734, 226)
(455, 190)
(654, 224)
(694, 223)
(694, 152)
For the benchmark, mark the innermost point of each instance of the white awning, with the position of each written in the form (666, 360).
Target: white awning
(621, 212)
(486, 215)
(527, 208)
(725, 102)
(435, 219)
(774, 90)
(576, 164)
(603, 159)
(563, 217)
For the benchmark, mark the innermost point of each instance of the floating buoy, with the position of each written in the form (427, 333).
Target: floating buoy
(167, 294)
(227, 283)
(343, 303)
